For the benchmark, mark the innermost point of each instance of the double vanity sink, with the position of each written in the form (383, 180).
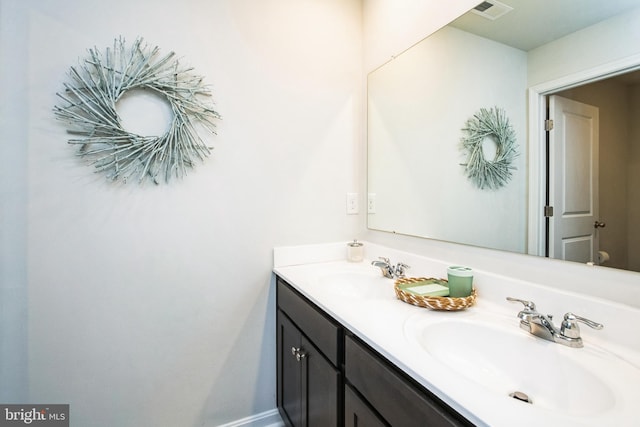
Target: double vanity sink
(479, 361)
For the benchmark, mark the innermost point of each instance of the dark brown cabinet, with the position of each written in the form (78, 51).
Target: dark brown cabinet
(289, 371)
(309, 372)
(357, 412)
(328, 377)
(397, 399)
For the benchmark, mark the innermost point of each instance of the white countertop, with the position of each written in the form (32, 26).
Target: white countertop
(386, 324)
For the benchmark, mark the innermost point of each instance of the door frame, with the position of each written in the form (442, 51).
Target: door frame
(537, 113)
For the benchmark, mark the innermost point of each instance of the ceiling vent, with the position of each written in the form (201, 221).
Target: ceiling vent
(491, 9)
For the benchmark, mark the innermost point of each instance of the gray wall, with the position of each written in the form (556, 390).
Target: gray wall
(154, 305)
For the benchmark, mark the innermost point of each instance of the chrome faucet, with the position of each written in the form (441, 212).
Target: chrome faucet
(542, 325)
(388, 270)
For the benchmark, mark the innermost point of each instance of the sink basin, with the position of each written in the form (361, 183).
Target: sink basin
(356, 284)
(501, 361)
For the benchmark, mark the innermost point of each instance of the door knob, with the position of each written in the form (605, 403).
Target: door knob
(599, 224)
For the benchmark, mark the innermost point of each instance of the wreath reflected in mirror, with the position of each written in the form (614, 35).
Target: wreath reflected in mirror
(493, 125)
(89, 110)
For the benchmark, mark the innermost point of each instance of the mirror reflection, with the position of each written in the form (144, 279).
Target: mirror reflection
(419, 103)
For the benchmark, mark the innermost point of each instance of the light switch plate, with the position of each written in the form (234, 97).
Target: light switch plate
(352, 203)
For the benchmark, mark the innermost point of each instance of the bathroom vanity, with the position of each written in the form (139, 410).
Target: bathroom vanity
(350, 354)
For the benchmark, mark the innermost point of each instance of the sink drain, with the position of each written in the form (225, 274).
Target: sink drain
(518, 395)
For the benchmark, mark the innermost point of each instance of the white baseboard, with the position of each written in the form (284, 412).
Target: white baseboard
(265, 419)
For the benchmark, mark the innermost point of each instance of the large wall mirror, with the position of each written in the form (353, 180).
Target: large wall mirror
(490, 58)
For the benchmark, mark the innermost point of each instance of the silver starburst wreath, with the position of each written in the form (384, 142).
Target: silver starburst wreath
(95, 87)
(491, 123)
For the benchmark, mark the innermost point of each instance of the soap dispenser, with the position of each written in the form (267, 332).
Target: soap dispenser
(355, 251)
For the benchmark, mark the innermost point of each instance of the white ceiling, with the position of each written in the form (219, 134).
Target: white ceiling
(533, 23)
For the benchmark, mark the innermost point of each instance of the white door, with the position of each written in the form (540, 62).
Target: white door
(573, 180)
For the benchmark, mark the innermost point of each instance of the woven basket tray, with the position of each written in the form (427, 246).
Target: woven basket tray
(435, 303)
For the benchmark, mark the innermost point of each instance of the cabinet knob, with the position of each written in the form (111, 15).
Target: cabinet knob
(298, 353)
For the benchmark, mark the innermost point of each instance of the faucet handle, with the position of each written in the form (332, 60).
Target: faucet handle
(570, 328)
(381, 258)
(528, 312)
(401, 269)
(528, 305)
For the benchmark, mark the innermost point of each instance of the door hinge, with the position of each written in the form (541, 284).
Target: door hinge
(548, 125)
(548, 211)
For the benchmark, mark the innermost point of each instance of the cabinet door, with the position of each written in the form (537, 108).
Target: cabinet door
(320, 385)
(357, 413)
(289, 373)
(308, 385)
